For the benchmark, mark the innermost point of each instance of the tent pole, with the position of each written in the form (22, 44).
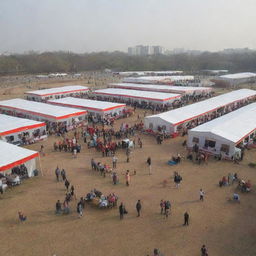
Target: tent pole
(40, 165)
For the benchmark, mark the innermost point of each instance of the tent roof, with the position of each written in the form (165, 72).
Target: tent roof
(12, 155)
(59, 90)
(239, 75)
(41, 109)
(138, 94)
(11, 124)
(189, 112)
(87, 104)
(234, 126)
(157, 87)
(150, 79)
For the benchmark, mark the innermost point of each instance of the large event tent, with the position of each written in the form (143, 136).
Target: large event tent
(199, 112)
(41, 111)
(185, 90)
(144, 73)
(235, 79)
(56, 93)
(158, 79)
(223, 134)
(16, 130)
(124, 95)
(12, 156)
(94, 107)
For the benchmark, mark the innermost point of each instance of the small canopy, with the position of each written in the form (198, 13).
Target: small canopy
(12, 156)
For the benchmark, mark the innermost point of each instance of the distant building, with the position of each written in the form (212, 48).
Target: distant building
(141, 50)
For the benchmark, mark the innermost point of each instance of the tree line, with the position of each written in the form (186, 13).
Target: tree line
(47, 62)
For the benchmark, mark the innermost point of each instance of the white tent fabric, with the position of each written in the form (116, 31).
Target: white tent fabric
(157, 79)
(233, 126)
(239, 75)
(42, 110)
(11, 124)
(228, 130)
(154, 96)
(12, 156)
(190, 112)
(87, 104)
(59, 90)
(187, 90)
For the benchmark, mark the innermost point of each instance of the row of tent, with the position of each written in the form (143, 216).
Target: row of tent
(222, 134)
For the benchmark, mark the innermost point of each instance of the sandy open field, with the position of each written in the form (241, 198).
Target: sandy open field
(227, 229)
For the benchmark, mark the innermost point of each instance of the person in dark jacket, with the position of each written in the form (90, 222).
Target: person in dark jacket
(138, 208)
(121, 211)
(186, 219)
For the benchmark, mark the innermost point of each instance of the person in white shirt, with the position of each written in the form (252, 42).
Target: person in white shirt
(201, 193)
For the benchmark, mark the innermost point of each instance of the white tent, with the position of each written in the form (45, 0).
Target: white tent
(13, 128)
(137, 96)
(236, 79)
(94, 107)
(185, 90)
(12, 156)
(225, 133)
(56, 93)
(41, 111)
(199, 112)
(158, 79)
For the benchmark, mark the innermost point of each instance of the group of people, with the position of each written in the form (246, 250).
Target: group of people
(68, 145)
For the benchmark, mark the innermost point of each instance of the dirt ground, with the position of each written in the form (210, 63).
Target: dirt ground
(227, 229)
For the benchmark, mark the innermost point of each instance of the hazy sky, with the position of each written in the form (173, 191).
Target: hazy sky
(97, 25)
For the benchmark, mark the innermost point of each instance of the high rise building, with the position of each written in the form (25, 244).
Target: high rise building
(141, 50)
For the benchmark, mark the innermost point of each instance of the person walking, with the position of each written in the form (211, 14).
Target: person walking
(121, 211)
(186, 219)
(162, 206)
(128, 153)
(138, 208)
(63, 174)
(22, 217)
(204, 251)
(57, 173)
(149, 162)
(114, 161)
(67, 184)
(201, 194)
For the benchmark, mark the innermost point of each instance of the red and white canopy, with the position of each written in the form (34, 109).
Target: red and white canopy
(11, 124)
(12, 156)
(59, 90)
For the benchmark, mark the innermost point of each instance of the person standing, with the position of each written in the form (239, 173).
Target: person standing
(79, 209)
(201, 194)
(121, 211)
(138, 208)
(127, 178)
(67, 184)
(128, 153)
(63, 174)
(58, 207)
(114, 161)
(162, 206)
(149, 162)
(57, 173)
(204, 251)
(167, 208)
(186, 219)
